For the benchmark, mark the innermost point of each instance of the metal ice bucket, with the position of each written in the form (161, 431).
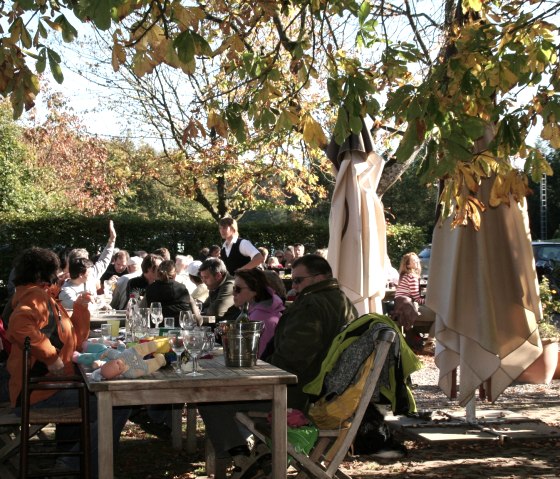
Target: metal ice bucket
(240, 342)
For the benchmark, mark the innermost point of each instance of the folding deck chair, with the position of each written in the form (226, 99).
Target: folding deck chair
(333, 444)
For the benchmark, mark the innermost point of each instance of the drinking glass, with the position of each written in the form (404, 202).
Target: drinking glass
(169, 323)
(156, 313)
(194, 343)
(177, 344)
(106, 332)
(142, 322)
(186, 320)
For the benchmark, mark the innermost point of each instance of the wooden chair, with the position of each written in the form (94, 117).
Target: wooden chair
(31, 418)
(333, 445)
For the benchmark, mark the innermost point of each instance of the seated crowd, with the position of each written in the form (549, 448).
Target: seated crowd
(219, 283)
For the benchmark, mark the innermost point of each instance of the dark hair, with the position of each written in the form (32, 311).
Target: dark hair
(149, 262)
(214, 248)
(228, 221)
(163, 252)
(256, 281)
(276, 283)
(314, 263)
(63, 254)
(121, 254)
(214, 265)
(166, 271)
(78, 266)
(36, 265)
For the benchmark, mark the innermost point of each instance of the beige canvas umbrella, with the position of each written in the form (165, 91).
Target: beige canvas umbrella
(483, 288)
(357, 242)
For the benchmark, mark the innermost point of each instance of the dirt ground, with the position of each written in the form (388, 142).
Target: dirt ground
(144, 456)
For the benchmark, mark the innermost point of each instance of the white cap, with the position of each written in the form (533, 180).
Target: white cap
(134, 260)
(193, 268)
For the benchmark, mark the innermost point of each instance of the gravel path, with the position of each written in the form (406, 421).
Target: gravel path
(514, 459)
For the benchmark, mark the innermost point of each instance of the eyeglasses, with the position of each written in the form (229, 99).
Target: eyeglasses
(299, 279)
(238, 289)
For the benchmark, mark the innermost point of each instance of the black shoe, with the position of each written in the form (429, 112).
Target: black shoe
(258, 465)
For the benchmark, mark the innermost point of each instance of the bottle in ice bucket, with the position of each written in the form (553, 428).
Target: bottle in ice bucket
(244, 315)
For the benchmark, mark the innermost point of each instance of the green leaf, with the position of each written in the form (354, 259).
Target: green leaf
(25, 37)
(398, 100)
(202, 47)
(98, 11)
(355, 124)
(473, 126)
(54, 64)
(364, 11)
(42, 30)
(408, 143)
(341, 128)
(69, 33)
(185, 46)
(41, 62)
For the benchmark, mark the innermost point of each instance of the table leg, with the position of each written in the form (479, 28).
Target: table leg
(279, 432)
(176, 426)
(105, 434)
(191, 428)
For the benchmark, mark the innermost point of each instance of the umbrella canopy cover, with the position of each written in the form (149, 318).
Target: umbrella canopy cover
(483, 288)
(357, 241)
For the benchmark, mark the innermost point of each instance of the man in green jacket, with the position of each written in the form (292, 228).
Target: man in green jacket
(301, 341)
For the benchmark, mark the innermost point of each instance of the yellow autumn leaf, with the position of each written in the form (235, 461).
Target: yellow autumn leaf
(546, 133)
(313, 133)
(475, 5)
(187, 16)
(216, 121)
(118, 56)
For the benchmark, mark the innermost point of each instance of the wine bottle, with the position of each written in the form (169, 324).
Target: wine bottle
(244, 315)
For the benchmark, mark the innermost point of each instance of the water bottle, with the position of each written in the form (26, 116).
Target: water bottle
(130, 308)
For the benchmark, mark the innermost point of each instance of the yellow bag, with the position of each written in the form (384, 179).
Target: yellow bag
(333, 413)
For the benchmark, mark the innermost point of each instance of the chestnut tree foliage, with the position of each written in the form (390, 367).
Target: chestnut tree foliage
(437, 76)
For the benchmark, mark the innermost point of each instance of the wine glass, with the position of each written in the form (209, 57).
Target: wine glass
(177, 343)
(156, 313)
(194, 343)
(186, 320)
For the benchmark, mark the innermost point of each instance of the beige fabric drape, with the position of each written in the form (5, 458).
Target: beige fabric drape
(357, 241)
(483, 288)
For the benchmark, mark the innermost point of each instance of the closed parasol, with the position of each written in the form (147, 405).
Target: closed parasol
(357, 242)
(483, 288)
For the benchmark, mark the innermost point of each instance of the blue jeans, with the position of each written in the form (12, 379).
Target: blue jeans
(70, 398)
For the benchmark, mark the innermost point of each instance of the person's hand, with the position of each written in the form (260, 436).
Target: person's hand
(83, 299)
(56, 368)
(112, 232)
(405, 312)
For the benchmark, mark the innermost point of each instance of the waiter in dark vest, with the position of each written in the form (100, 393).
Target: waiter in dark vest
(237, 253)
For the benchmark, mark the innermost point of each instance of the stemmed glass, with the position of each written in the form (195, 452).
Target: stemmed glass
(156, 313)
(176, 341)
(186, 320)
(194, 343)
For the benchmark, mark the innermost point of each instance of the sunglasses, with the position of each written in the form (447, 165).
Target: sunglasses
(299, 279)
(238, 289)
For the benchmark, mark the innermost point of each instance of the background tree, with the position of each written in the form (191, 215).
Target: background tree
(20, 191)
(74, 164)
(443, 76)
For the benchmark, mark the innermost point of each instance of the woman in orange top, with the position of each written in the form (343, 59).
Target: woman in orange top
(53, 333)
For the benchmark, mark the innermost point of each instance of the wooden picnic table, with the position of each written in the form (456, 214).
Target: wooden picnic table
(217, 384)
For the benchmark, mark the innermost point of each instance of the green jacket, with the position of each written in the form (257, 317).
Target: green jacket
(305, 332)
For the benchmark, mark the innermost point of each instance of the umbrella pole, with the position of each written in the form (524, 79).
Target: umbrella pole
(470, 410)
